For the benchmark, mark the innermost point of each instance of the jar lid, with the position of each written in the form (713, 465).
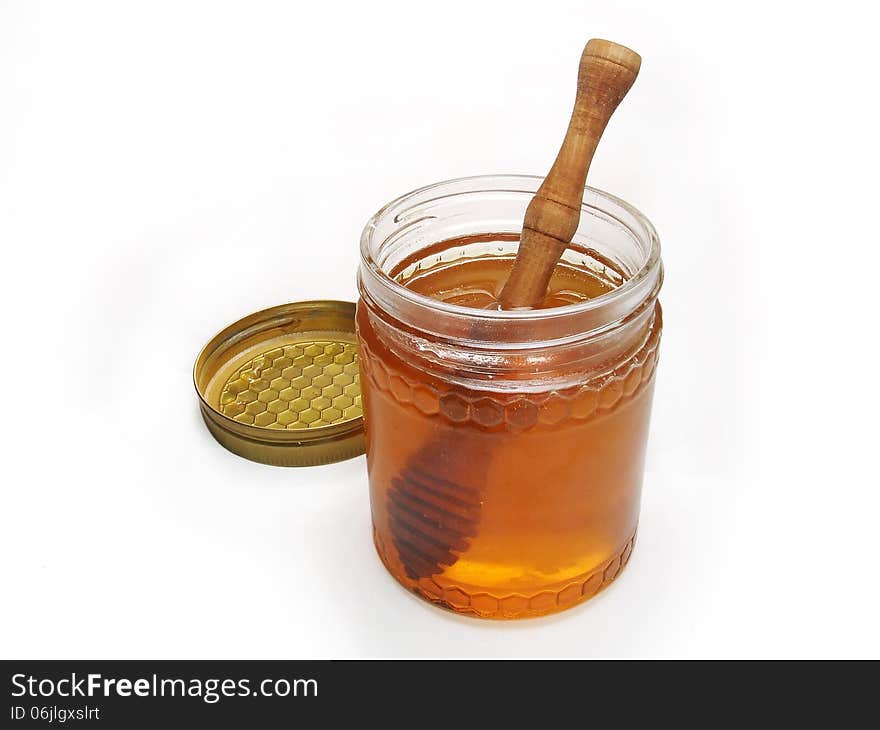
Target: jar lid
(281, 386)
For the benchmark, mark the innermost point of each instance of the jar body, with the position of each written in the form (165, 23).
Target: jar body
(505, 454)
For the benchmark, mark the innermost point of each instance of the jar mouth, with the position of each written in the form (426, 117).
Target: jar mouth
(398, 208)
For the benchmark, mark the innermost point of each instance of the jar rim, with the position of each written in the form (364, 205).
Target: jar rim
(641, 278)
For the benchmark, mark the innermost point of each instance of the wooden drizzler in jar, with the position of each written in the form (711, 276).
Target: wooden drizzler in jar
(607, 72)
(485, 516)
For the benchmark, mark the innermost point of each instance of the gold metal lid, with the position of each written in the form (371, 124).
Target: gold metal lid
(281, 386)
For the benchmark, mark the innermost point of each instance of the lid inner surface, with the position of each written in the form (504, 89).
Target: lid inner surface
(304, 384)
(281, 386)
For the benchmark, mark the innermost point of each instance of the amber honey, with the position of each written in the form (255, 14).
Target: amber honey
(477, 281)
(553, 476)
(505, 475)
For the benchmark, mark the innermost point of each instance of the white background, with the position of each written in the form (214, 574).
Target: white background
(167, 167)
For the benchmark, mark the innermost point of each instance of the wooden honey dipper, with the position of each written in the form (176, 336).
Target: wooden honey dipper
(434, 503)
(607, 72)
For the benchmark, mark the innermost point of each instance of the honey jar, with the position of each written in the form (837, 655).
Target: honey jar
(505, 449)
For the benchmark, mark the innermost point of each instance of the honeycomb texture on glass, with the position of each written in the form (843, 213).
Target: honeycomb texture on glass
(484, 604)
(495, 411)
(304, 385)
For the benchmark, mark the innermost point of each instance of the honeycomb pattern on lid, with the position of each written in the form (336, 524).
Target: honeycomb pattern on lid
(306, 385)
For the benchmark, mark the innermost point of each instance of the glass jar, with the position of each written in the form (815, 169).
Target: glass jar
(505, 449)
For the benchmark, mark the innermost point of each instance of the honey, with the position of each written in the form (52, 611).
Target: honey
(505, 451)
(477, 282)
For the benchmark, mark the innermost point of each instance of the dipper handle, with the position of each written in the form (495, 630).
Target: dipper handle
(607, 71)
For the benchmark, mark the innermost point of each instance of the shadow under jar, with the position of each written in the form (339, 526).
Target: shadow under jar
(505, 449)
